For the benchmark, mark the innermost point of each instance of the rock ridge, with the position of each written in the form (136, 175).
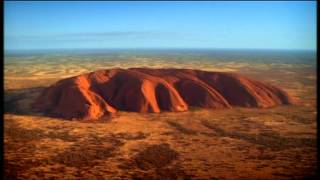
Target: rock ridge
(104, 92)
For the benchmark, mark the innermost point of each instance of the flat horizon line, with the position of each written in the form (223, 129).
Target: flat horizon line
(155, 48)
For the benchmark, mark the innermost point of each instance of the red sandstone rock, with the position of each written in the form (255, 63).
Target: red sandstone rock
(93, 95)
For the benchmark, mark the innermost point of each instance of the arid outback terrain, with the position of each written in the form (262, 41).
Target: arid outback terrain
(201, 143)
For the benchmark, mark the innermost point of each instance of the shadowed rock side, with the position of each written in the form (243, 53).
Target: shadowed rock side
(94, 95)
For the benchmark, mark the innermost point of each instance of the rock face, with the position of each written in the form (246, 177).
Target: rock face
(100, 93)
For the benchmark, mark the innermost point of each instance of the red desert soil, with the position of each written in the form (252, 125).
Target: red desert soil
(100, 93)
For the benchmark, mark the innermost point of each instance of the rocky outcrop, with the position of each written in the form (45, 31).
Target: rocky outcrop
(100, 93)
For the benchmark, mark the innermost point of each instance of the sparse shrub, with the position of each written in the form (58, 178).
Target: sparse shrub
(156, 156)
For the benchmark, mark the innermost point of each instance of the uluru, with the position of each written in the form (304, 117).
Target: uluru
(104, 92)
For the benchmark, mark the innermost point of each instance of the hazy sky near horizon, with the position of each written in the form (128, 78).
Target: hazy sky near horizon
(59, 25)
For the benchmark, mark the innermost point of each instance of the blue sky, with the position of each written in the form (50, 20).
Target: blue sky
(243, 25)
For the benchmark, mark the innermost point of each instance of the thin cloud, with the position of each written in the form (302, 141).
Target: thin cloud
(96, 36)
(103, 39)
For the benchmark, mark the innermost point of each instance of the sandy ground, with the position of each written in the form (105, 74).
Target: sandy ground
(238, 143)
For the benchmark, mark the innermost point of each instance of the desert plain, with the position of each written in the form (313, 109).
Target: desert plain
(237, 143)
